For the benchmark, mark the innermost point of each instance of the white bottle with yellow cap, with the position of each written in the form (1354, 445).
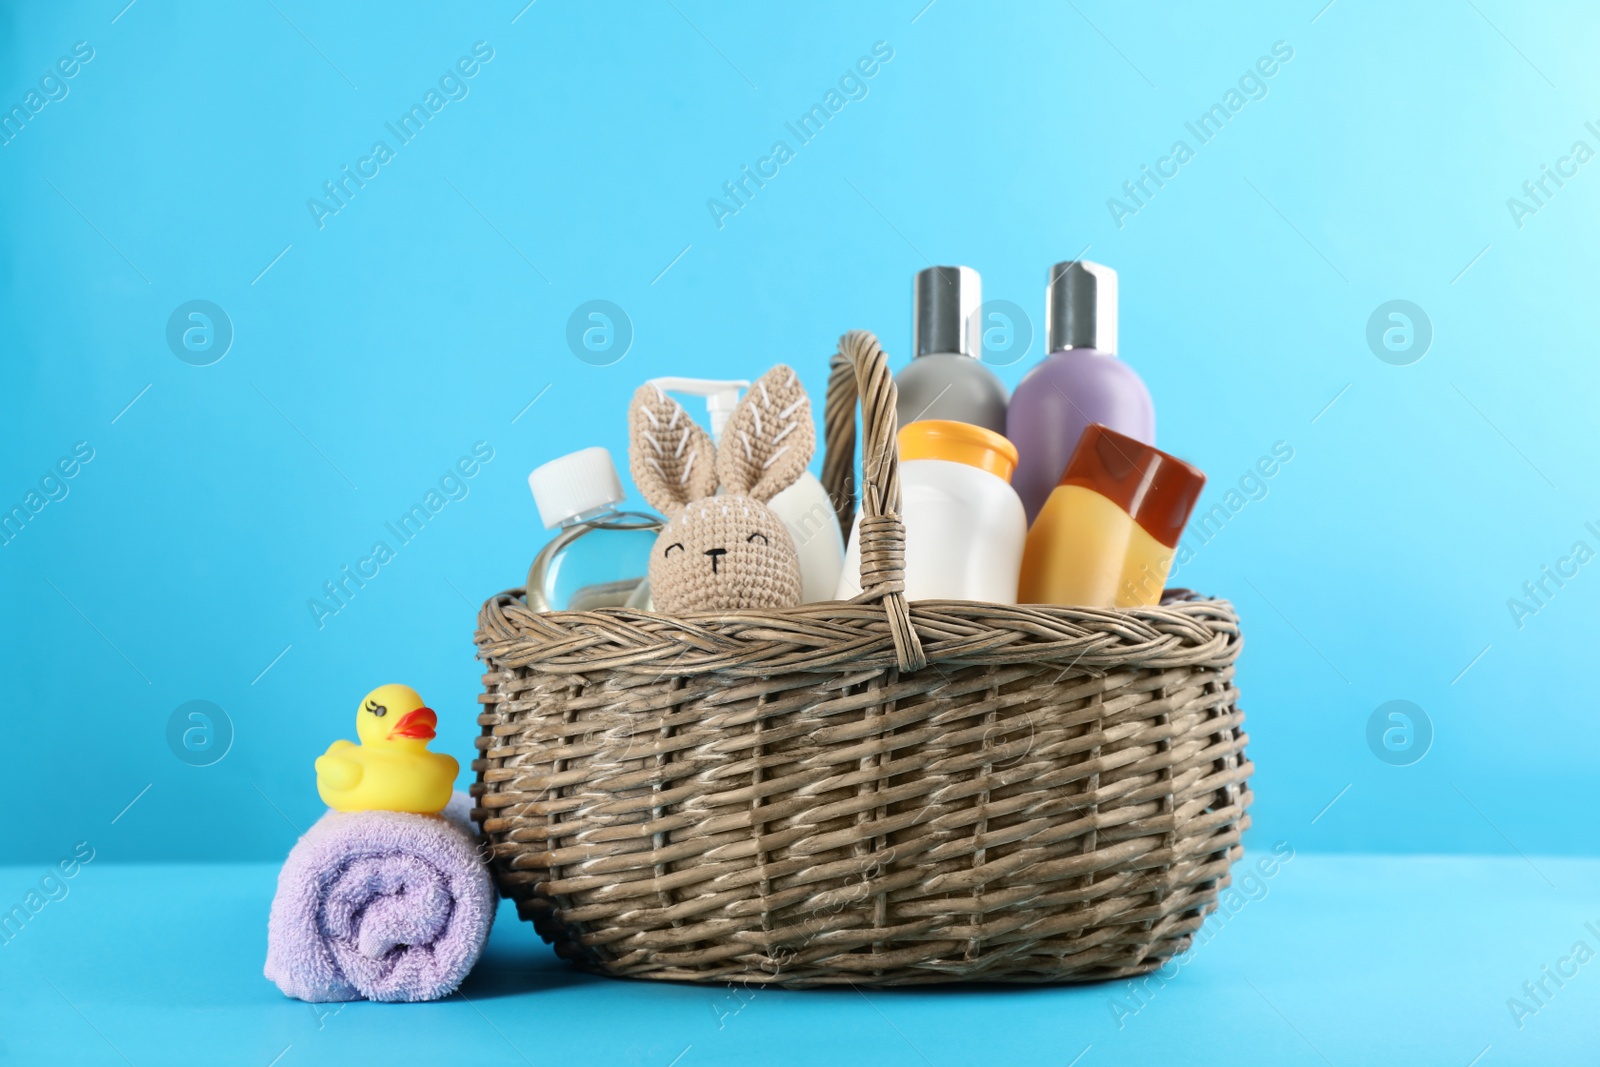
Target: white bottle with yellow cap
(965, 527)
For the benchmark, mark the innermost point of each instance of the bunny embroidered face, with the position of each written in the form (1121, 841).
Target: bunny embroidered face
(724, 554)
(728, 552)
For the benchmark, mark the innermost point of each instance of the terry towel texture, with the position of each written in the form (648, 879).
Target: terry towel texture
(383, 905)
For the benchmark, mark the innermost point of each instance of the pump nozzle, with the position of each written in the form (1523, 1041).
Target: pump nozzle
(721, 397)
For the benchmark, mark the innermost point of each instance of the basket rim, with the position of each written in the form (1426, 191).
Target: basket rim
(833, 637)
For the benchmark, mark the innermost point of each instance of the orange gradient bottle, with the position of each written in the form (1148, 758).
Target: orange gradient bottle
(1106, 536)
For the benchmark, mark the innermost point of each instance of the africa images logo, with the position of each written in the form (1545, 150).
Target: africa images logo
(452, 86)
(852, 85)
(1252, 85)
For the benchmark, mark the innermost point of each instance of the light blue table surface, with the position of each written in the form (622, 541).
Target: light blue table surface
(1334, 959)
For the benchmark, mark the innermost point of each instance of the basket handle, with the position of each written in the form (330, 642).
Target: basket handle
(860, 369)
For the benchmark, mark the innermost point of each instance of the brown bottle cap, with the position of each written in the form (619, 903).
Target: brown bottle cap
(1157, 489)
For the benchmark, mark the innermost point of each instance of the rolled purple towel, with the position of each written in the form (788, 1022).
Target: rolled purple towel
(383, 905)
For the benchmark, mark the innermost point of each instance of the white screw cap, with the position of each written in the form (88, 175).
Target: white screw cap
(573, 484)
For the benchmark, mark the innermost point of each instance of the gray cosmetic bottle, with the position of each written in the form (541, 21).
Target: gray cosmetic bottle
(945, 379)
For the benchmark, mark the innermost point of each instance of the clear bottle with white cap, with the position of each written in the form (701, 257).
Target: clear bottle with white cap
(946, 378)
(804, 507)
(601, 555)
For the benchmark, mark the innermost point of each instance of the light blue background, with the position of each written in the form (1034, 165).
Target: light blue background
(430, 311)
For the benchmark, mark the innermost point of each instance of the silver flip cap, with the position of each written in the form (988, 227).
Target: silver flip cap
(1080, 307)
(944, 311)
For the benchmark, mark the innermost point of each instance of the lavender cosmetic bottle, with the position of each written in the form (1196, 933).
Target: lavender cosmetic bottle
(1080, 382)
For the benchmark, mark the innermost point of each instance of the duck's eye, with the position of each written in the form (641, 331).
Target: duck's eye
(377, 709)
(752, 538)
(668, 552)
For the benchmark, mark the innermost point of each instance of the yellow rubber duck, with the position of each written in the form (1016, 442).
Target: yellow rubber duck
(391, 769)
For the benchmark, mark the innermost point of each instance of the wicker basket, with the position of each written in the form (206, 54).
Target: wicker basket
(867, 792)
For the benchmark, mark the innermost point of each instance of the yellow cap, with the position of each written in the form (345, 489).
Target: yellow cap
(958, 442)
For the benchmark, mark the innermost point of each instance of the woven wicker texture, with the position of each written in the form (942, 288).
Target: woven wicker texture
(873, 792)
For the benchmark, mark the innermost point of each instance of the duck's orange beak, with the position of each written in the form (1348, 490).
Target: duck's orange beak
(415, 725)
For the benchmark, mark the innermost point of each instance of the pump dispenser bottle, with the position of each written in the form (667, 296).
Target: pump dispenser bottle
(945, 378)
(1079, 383)
(804, 506)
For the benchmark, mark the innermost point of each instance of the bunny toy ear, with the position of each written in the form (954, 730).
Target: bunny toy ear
(769, 439)
(672, 459)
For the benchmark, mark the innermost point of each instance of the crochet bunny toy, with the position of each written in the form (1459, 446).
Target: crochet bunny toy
(730, 552)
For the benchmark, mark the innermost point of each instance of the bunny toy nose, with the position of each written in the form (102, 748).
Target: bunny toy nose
(716, 555)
